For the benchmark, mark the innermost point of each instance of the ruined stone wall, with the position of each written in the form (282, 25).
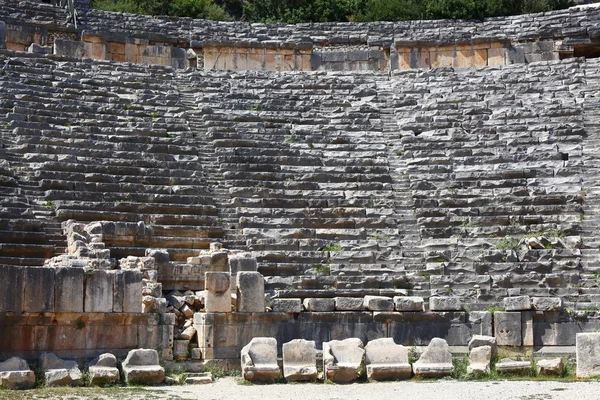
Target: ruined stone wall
(381, 46)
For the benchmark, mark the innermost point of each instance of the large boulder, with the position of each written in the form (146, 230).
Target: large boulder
(342, 359)
(436, 360)
(259, 360)
(385, 359)
(103, 370)
(15, 374)
(59, 372)
(141, 367)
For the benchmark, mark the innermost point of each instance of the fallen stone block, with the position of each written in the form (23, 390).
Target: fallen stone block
(509, 366)
(588, 356)
(436, 360)
(349, 303)
(287, 305)
(549, 367)
(379, 303)
(479, 360)
(15, 374)
(103, 370)
(482, 340)
(408, 303)
(300, 360)
(141, 366)
(198, 378)
(259, 360)
(384, 359)
(319, 304)
(445, 304)
(59, 372)
(342, 359)
(518, 303)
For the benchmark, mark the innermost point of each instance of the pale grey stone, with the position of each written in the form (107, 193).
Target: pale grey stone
(69, 48)
(287, 305)
(217, 294)
(198, 378)
(479, 360)
(319, 304)
(103, 370)
(250, 292)
(99, 291)
(68, 290)
(408, 303)
(547, 303)
(587, 352)
(342, 359)
(507, 328)
(259, 360)
(508, 366)
(300, 360)
(15, 374)
(436, 360)
(379, 303)
(349, 303)
(518, 303)
(142, 366)
(60, 372)
(384, 359)
(549, 367)
(482, 340)
(445, 304)
(181, 349)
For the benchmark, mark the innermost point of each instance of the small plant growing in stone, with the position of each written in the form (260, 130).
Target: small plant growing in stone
(378, 237)
(322, 269)
(49, 204)
(290, 139)
(508, 243)
(494, 309)
(332, 247)
(254, 107)
(80, 324)
(155, 115)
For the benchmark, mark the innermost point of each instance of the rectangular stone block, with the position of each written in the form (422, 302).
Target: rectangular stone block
(99, 291)
(319, 304)
(127, 291)
(507, 328)
(518, 303)
(11, 288)
(250, 292)
(287, 305)
(69, 48)
(68, 290)
(39, 289)
(2, 35)
(218, 293)
(445, 304)
(349, 303)
(588, 354)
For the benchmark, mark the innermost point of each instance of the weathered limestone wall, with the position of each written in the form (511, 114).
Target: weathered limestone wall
(381, 46)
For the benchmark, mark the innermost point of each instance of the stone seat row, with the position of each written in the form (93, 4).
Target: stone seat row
(342, 360)
(141, 366)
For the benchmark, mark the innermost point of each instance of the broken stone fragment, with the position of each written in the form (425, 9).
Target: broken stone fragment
(384, 359)
(103, 370)
(379, 303)
(479, 360)
(436, 360)
(300, 360)
(549, 367)
(15, 374)
(408, 303)
(259, 360)
(60, 372)
(509, 366)
(518, 303)
(141, 366)
(319, 304)
(342, 359)
(482, 340)
(287, 305)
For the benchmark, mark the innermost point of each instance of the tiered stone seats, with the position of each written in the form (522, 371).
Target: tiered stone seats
(101, 146)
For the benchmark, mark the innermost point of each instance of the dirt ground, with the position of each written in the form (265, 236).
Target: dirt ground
(229, 388)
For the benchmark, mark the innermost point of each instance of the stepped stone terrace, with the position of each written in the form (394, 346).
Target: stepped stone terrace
(408, 180)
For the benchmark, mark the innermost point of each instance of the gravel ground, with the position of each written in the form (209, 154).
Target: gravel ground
(229, 389)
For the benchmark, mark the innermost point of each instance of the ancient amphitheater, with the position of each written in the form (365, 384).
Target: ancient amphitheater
(187, 186)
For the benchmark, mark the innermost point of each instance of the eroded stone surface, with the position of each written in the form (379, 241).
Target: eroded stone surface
(479, 360)
(103, 370)
(342, 359)
(436, 360)
(300, 360)
(60, 372)
(259, 360)
(384, 359)
(15, 374)
(588, 354)
(142, 367)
